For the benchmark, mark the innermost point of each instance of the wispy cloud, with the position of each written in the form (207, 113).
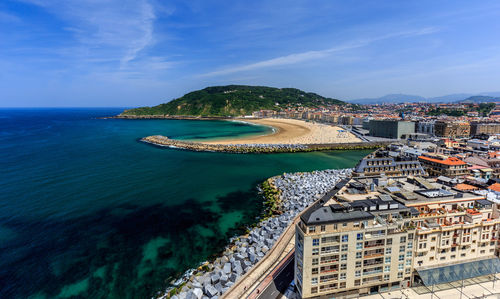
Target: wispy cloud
(316, 54)
(114, 29)
(9, 18)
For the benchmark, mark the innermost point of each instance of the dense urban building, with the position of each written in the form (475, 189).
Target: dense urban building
(451, 129)
(353, 247)
(484, 128)
(436, 165)
(391, 128)
(370, 235)
(381, 162)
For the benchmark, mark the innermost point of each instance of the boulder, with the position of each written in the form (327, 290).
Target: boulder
(211, 291)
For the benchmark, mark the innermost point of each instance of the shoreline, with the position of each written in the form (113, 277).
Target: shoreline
(284, 197)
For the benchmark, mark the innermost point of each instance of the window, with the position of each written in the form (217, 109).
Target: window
(358, 264)
(402, 248)
(314, 262)
(409, 254)
(359, 246)
(402, 239)
(345, 238)
(408, 263)
(335, 226)
(387, 276)
(410, 245)
(314, 281)
(388, 250)
(407, 271)
(314, 271)
(401, 257)
(344, 224)
(342, 276)
(314, 290)
(357, 273)
(387, 268)
(400, 267)
(389, 241)
(344, 247)
(315, 242)
(315, 251)
(323, 228)
(359, 236)
(359, 255)
(343, 266)
(400, 274)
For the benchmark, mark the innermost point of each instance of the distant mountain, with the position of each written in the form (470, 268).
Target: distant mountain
(459, 97)
(234, 100)
(390, 98)
(480, 99)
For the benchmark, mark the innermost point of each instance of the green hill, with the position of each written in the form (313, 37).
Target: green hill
(234, 100)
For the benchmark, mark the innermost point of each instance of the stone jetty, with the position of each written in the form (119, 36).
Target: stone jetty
(256, 148)
(295, 192)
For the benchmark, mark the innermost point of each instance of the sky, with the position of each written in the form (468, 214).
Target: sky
(69, 53)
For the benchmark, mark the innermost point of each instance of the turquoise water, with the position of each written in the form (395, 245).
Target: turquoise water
(88, 211)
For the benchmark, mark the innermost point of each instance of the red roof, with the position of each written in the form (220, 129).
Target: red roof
(448, 161)
(495, 187)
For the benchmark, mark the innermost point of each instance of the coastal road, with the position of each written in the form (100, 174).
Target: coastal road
(277, 281)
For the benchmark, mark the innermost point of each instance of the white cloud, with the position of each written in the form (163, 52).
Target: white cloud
(317, 54)
(111, 29)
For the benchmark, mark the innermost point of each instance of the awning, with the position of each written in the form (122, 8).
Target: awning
(459, 271)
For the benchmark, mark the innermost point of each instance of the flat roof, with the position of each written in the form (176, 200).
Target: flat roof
(457, 272)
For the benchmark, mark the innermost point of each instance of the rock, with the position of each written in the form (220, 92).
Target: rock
(265, 249)
(195, 294)
(218, 286)
(223, 278)
(211, 291)
(227, 268)
(214, 278)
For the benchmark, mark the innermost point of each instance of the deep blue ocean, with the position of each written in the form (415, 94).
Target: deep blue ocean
(88, 211)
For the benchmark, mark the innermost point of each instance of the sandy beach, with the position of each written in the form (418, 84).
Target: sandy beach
(292, 131)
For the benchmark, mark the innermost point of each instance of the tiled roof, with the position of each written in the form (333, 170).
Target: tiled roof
(449, 161)
(495, 187)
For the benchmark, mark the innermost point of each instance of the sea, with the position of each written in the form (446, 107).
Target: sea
(89, 211)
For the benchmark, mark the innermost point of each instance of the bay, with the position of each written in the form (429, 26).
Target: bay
(88, 211)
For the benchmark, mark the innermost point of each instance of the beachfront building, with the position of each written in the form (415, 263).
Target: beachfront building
(370, 235)
(388, 128)
(381, 162)
(352, 248)
(437, 165)
(484, 128)
(452, 129)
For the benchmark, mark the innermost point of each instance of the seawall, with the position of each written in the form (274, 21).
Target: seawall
(259, 148)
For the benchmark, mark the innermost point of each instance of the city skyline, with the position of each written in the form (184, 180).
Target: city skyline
(142, 53)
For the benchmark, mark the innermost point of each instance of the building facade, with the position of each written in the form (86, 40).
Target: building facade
(394, 129)
(451, 129)
(381, 162)
(370, 235)
(484, 128)
(437, 165)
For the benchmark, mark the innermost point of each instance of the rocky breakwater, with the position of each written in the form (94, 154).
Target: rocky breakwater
(286, 196)
(257, 148)
(227, 148)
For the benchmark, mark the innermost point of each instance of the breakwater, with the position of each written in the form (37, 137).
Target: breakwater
(286, 196)
(258, 148)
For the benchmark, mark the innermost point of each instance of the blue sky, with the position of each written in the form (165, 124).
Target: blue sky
(145, 52)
